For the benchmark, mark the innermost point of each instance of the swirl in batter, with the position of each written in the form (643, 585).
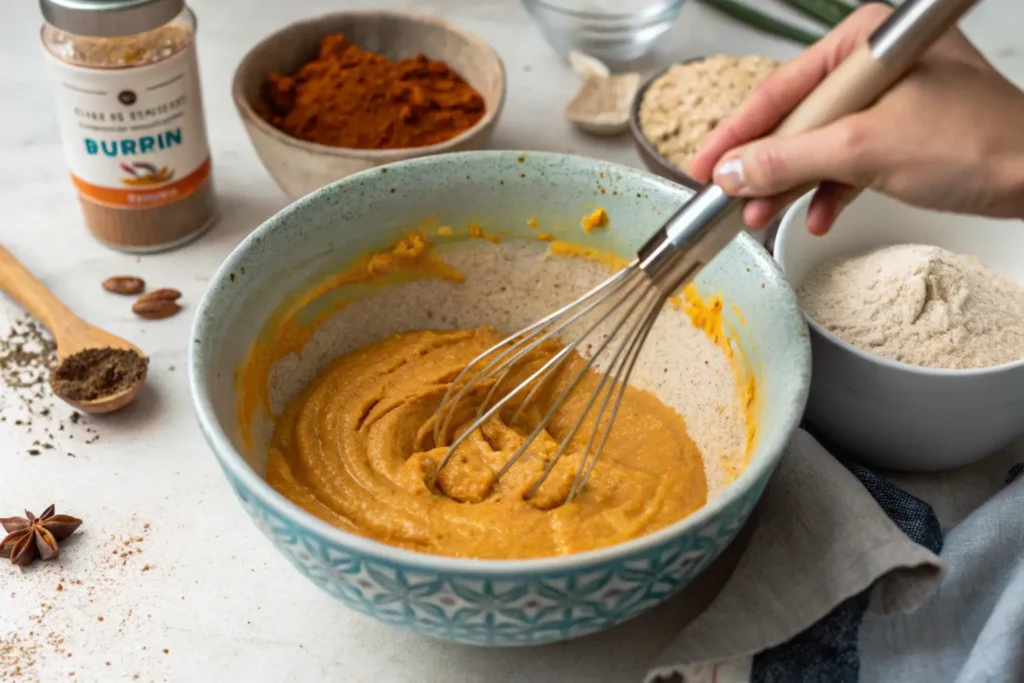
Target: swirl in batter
(356, 449)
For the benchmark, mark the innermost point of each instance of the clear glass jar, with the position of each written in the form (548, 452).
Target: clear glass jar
(131, 119)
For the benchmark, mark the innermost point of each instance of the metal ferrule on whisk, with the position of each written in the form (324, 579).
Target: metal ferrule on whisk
(690, 239)
(912, 27)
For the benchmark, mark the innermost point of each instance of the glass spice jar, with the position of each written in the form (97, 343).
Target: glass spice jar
(131, 119)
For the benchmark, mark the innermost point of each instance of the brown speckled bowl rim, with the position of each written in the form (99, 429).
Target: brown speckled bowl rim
(245, 108)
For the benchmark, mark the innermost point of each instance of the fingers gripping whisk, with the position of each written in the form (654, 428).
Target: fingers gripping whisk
(607, 326)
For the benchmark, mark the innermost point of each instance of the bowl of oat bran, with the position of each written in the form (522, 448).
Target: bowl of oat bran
(481, 213)
(917, 331)
(676, 109)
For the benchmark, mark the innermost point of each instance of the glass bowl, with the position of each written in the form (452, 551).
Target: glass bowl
(614, 31)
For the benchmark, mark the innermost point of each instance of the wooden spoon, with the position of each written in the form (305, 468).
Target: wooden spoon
(71, 333)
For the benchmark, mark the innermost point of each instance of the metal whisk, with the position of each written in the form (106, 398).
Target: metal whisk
(623, 308)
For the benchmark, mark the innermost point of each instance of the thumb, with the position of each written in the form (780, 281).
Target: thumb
(842, 152)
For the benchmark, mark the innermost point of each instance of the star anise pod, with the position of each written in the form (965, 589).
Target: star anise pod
(30, 536)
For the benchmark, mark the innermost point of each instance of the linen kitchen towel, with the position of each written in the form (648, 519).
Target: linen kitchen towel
(843, 581)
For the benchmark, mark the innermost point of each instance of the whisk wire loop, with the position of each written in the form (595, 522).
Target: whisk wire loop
(517, 340)
(447, 407)
(574, 489)
(637, 341)
(625, 293)
(638, 282)
(572, 385)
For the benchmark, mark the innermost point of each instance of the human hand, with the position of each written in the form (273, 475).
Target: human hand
(948, 136)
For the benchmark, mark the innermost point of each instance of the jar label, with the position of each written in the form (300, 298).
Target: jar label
(134, 137)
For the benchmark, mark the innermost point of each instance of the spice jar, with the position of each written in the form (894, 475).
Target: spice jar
(131, 118)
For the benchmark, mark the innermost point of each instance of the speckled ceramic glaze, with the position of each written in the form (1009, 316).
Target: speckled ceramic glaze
(472, 601)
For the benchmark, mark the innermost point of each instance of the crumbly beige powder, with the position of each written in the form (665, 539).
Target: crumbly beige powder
(921, 305)
(683, 106)
(604, 99)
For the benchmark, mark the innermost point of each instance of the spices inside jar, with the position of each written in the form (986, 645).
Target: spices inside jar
(131, 119)
(350, 97)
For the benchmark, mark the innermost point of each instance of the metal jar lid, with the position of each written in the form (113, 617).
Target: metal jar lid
(109, 18)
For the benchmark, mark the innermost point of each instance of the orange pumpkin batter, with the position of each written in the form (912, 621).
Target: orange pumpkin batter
(357, 450)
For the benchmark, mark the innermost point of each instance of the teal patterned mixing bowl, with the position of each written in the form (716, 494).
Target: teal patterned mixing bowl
(491, 602)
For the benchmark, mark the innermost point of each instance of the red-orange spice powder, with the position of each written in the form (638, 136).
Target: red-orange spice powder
(348, 97)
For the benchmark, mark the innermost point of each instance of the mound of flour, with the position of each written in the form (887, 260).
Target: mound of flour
(921, 305)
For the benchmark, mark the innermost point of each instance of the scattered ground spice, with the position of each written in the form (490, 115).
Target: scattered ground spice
(20, 649)
(27, 358)
(95, 373)
(37, 643)
(124, 548)
(27, 354)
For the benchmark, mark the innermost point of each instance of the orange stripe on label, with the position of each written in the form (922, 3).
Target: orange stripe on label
(139, 198)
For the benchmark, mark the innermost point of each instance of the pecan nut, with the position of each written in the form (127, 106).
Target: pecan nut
(160, 303)
(124, 284)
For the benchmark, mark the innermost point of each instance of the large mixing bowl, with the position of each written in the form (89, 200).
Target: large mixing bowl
(491, 602)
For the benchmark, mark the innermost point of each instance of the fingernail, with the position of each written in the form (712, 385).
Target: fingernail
(729, 175)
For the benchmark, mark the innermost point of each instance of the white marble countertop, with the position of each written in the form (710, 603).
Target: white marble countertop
(203, 596)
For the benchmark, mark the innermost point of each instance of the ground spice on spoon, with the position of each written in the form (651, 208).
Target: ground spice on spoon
(92, 374)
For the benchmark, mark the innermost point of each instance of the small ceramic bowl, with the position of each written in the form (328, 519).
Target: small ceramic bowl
(298, 166)
(649, 154)
(891, 414)
(488, 602)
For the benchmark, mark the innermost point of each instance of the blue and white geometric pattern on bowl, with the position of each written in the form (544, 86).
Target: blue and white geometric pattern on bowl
(493, 602)
(484, 609)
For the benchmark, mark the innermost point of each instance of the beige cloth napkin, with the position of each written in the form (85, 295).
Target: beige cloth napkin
(820, 538)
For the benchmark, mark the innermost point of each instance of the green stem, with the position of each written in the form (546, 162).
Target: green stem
(761, 21)
(828, 12)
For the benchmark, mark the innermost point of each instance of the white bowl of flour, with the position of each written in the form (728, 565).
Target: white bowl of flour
(917, 331)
